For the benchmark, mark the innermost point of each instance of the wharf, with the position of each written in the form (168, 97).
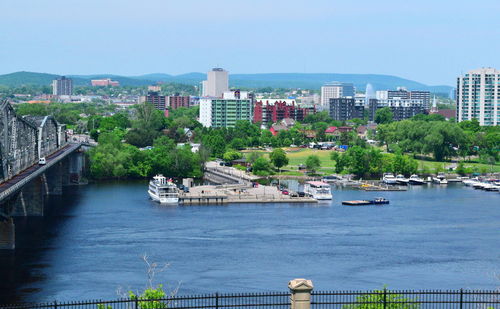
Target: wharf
(366, 186)
(238, 194)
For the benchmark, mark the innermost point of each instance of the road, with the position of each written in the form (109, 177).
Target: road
(27, 173)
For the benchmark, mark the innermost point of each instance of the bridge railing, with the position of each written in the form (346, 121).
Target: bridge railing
(18, 185)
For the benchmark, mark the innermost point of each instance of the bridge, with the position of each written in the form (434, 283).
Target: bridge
(24, 183)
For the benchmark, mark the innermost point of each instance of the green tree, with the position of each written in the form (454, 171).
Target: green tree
(278, 158)
(313, 163)
(383, 115)
(231, 155)
(261, 167)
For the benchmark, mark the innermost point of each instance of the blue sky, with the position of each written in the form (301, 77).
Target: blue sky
(428, 41)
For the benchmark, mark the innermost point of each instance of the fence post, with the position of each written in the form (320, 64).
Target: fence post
(300, 290)
(461, 298)
(217, 300)
(136, 302)
(385, 298)
(55, 304)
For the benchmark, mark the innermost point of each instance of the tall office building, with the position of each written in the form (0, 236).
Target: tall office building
(478, 96)
(62, 86)
(217, 83)
(224, 112)
(346, 108)
(335, 90)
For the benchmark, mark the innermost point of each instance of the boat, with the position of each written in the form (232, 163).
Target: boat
(440, 179)
(380, 200)
(318, 190)
(415, 180)
(389, 179)
(491, 187)
(163, 191)
(401, 180)
(376, 201)
(470, 182)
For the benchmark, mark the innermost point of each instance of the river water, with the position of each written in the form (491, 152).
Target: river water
(91, 241)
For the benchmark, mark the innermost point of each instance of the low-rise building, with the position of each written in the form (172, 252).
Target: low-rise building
(104, 82)
(271, 111)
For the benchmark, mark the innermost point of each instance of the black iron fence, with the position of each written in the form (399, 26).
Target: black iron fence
(406, 299)
(379, 299)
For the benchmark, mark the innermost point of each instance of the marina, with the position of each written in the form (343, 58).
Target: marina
(270, 241)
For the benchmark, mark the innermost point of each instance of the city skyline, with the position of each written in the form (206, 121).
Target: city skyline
(430, 42)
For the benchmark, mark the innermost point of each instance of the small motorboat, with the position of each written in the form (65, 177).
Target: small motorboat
(380, 200)
(415, 180)
(440, 179)
(401, 180)
(389, 179)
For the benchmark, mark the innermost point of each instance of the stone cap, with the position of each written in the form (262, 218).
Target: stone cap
(300, 285)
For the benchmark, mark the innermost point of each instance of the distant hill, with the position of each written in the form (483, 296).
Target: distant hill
(275, 80)
(31, 78)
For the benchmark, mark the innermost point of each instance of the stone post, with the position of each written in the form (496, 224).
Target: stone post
(300, 290)
(7, 234)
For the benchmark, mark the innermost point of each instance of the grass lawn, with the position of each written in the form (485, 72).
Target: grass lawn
(477, 167)
(299, 157)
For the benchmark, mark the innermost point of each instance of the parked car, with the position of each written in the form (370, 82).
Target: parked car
(294, 194)
(301, 194)
(285, 192)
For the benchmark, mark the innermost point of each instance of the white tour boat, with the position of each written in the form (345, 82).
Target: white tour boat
(163, 190)
(318, 190)
(389, 179)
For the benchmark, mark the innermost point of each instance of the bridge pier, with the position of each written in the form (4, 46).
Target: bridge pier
(30, 201)
(7, 234)
(54, 178)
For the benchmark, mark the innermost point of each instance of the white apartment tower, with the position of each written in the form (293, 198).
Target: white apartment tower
(217, 83)
(478, 96)
(62, 86)
(335, 90)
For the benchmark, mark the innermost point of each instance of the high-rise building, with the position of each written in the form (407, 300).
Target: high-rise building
(224, 112)
(335, 90)
(478, 96)
(216, 84)
(346, 108)
(153, 97)
(62, 86)
(176, 101)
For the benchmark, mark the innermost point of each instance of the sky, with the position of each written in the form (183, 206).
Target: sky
(430, 41)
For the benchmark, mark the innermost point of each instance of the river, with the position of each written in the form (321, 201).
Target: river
(91, 241)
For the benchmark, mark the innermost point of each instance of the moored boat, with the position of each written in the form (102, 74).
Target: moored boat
(401, 180)
(415, 180)
(440, 179)
(163, 191)
(389, 179)
(318, 190)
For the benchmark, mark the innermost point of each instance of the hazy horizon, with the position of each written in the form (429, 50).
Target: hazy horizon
(428, 42)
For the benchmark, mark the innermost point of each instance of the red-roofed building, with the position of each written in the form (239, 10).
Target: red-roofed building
(330, 130)
(446, 113)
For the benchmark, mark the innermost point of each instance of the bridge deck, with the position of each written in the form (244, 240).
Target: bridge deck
(14, 184)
